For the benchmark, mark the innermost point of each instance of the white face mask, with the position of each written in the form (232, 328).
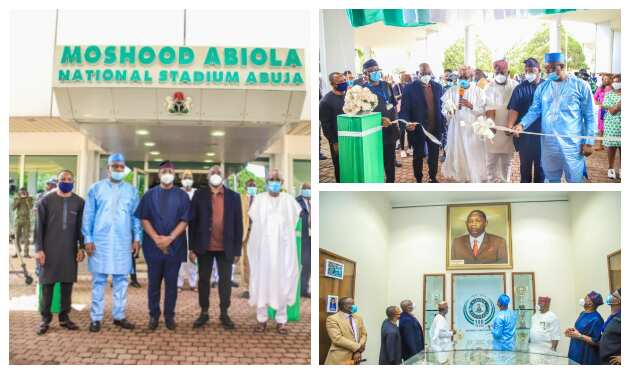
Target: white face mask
(581, 302)
(530, 77)
(187, 183)
(167, 178)
(500, 78)
(616, 85)
(215, 180)
(425, 79)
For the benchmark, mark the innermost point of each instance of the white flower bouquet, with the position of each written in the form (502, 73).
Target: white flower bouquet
(359, 100)
(482, 127)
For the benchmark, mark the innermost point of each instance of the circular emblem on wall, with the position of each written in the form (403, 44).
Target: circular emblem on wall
(479, 310)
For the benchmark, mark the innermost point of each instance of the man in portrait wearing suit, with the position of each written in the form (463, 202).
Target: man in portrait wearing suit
(347, 335)
(479, 246)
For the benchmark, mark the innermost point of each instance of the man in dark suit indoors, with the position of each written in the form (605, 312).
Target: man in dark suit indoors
(479, 246)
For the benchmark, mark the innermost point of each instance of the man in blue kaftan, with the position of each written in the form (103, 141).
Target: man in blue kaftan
(503, 326)
(111, 234)
(565, 106)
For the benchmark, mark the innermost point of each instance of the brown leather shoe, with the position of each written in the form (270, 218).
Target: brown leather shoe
(282, 328)
(261, 327)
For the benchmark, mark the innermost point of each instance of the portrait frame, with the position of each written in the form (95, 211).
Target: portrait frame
(330, 306)
(613, 261)
(456, 228)
(334, 269)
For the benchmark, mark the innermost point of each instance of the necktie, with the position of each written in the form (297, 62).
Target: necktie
(352, 327)
(475, 248)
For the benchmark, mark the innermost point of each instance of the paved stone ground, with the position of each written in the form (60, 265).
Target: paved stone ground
(209, 345)
(597, 165)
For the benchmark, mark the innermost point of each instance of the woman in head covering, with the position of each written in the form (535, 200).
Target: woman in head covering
(587, 331)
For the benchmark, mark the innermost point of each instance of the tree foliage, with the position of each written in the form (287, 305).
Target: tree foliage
(539, 45)
(454, 56)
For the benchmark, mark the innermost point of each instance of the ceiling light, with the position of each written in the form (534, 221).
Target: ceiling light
(208, 161)
(142, 132)
(154, 153)
(210, 154)
(158, 160)
(149, 144)
(218, 133)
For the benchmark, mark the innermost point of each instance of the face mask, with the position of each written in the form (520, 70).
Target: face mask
(581, 302)
(530, 77)
(537, 308)
(187, 183)
(610, 300)
(251, 191)
(354, 309)
(375, 76)
(500, 78)
(274, 186)
(463, 83)
(616, 85)
(306, 193)
(215, 180)
(118, 175)
(167, 178)
(553, 76)
(425, 79)
(342, 86)
(66, 187)
(350, 83)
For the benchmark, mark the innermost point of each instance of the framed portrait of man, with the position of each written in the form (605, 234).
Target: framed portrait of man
(478, 236)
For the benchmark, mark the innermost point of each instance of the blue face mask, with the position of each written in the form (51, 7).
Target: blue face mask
(463, 83)
(251, 191)
(342, 87)
(306, 193)
(118, 175)
(375, 76)
(66, 187)
(354, 309)
(350, 83)
(553, 76)
(274, 186)
(610, 300)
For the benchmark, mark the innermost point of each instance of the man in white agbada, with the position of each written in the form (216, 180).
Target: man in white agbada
(272, 253)
(188, 268)
(500, 149)
(465, 152)
(545, 331)
(441, 337)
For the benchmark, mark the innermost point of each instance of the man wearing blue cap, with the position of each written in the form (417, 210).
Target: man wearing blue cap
(565, 106)
(387, 107)
(164, 211)
(528, 146)
(111, 233)
(503, 327)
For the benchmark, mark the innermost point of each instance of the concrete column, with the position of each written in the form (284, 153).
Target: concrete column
(470, 45)
(336, 44)
(555, 44)
(603, 47)
(616, 52)
(83, 167)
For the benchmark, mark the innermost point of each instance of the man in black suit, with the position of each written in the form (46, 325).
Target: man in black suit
(305, 202)
(216, 232)
(390, 339)
(422, 103)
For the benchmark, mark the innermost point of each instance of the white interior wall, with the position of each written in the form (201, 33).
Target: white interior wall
(355, 225)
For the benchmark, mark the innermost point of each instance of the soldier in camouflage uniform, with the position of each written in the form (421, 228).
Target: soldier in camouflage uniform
(22, 204)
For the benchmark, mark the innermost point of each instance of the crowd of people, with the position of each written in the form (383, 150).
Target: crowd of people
(182, 232)
(593, 341)
(550, 116)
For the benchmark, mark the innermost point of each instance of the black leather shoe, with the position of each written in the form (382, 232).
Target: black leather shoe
(43, 328)
(68, 324)
(135, 284)
(245, 295)
(95, 326)
(398, 164)
(170, 324)
(234, 284)
(124, 324)
(214, 284)
(226, 322)
(153, 323)
(201, 320)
